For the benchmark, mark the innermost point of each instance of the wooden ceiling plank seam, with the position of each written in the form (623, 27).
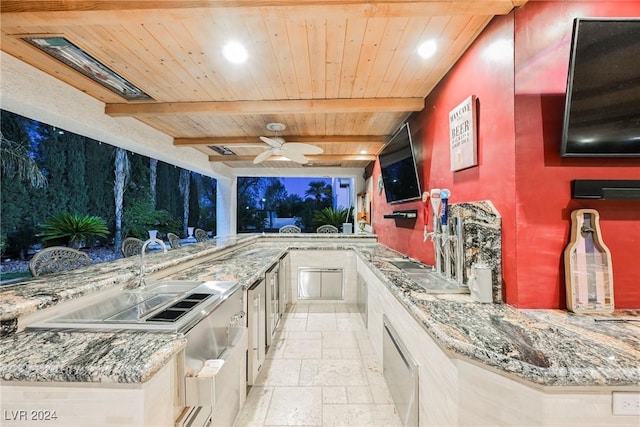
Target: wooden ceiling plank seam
(181, 58)
(265, 69)
(353, 45)
(92, 41)
(406, 57)
(138, 53)
(301, 57)
(153, 54)
(240, 79)
(317, 48)
(194, 59)
(210, 40)
(373, 35)
(277, 31)
(320, 121)
(422, 67)
(384, 56)
(398, 58)
(335, 51)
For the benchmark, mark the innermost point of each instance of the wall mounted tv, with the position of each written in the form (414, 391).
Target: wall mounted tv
(602, 106)
(398, 168)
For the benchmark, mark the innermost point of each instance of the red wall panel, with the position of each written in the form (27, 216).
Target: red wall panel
(544, 204)
(517, 69)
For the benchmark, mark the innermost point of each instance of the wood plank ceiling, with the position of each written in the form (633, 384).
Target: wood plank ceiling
(341, 74)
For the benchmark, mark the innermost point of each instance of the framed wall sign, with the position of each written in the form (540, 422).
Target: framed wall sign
(462, 135)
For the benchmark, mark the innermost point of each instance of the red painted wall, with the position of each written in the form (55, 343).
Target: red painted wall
(544, 204)
(517, 69)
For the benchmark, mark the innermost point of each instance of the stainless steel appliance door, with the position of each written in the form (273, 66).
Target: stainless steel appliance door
(256, 319)
(401, 374)
(332, 284)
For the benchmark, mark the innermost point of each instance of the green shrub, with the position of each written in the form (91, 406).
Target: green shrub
(73, 229)
(335, 217)
(3, 243)
(140, 218)
(20, 239)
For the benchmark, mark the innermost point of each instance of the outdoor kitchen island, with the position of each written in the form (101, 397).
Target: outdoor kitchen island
(478, 363)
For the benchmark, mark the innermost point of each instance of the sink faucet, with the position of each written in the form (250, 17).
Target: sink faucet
(142, 251)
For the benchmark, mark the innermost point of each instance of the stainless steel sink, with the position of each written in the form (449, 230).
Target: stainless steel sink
(424, 276)
(434, 284)
(162, 306)
(408, 264)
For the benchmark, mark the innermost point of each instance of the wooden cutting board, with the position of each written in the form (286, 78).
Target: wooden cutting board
(587, 264)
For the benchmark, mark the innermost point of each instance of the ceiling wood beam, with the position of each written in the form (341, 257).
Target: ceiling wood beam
(312, 159)
(110, 12)
(432, 7)
(286, 106)
(242, 141)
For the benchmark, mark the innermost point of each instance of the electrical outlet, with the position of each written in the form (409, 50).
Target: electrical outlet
(626, 403)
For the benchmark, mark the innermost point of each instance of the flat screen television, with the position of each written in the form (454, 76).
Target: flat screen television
(602, 106)
(398, 168)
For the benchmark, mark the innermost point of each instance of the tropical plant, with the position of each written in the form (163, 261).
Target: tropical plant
(331, 216)
(73, 229)
(15, 161)
(320, 191)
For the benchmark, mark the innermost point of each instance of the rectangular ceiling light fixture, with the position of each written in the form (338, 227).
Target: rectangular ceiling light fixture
(222, 150)
(68, 53)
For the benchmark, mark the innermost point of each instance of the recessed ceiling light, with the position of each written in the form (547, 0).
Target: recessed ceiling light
(363, 151)
(427, 49)
(235, 52)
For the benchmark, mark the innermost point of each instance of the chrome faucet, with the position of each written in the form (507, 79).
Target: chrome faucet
(142, 251)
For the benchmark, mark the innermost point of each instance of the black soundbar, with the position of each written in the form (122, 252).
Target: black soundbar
(408, 214)
(605, 189)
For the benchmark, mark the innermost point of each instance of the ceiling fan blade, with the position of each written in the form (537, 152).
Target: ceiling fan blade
(262, 156)
(273, 142)
(295, 156)
(302, 148)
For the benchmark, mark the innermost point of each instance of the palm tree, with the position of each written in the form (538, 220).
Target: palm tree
(184, 186)
(122, 170)
(15, 161)
(153, 179)
(320, 191)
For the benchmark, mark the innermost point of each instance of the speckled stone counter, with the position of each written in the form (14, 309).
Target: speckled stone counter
(543, 347)
(127, 356)
(107, 357)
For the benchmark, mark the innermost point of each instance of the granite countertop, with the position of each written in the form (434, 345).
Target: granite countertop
(125, 356)
(544, 347)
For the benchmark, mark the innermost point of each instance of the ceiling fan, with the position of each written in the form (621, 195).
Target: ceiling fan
(278, 147)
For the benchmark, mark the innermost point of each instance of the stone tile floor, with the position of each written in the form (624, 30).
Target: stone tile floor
(321, 370)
